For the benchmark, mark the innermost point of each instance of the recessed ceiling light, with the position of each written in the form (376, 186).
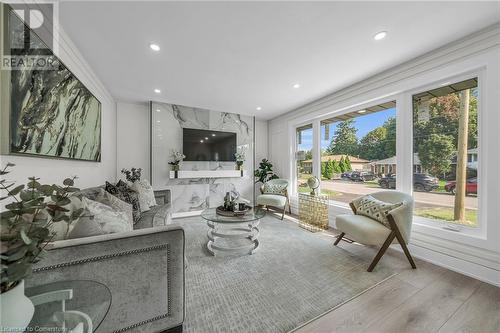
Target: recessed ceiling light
(361, 111)
(206, 138)
(157, 91)
(157, 121)
(296, 85)
(157, 110)
(201, 141)
(213, 134)
(258, 108)
(154, 47)
(380, 35)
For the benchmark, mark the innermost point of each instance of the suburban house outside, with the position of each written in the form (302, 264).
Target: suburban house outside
(357, 164)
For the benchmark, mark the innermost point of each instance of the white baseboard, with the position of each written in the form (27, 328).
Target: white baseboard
(476, 271)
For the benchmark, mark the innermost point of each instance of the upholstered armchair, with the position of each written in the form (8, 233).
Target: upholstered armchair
(274, 193)
(368, 231)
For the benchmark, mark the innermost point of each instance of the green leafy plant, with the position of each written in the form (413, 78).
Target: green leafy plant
(265, 172)
(26, 221)
(133, 174)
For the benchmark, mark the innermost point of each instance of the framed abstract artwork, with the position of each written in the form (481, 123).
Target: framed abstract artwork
(52, 114)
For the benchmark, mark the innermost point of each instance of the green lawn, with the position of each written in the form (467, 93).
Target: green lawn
(446, 214)
(325, 191)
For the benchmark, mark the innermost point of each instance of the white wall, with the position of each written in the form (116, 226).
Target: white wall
(261, 142)
(478, 254)
(133, 137)
(55, 170)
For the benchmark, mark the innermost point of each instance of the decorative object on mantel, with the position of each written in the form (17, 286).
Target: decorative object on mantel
(240, 158)
(265, 172)
(25, 232)
(52, 113)
(313, 183)
(177, 157)
(132, 175)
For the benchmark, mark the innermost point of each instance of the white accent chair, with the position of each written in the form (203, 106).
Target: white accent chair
(274, 193)
(367, 231)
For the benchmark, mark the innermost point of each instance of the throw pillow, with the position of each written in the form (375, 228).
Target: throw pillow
(145, 193)
(374, 208)
(60, 230)
(85, 227)
(109, 219)
(117, 204)
(123, 192)
(273, 188)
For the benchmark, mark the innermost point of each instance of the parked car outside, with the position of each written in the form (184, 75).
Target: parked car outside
(421, 182)
(470, 186)
(346, 175)
(362, 176)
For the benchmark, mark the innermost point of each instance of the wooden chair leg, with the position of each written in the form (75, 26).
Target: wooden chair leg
(401, 241)
(283, 214)
(339, 238)
(382, 250)
(289, 206)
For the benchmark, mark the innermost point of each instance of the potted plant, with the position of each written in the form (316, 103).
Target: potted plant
(240, 158)
(132, 175)
(177, 157)
(25, 231)
(264, 172)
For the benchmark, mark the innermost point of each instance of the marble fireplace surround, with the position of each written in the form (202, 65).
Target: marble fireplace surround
(202, 184)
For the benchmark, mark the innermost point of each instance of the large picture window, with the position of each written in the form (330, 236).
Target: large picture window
(445, 153)
(358, 152)
(304, 157)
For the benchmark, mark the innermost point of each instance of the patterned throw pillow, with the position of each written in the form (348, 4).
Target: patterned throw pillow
(145, 193)
(273, 188)
(374, 208)
(108, 219)
(117, 204)
(123, 192)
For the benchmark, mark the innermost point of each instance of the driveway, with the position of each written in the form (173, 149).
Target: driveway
(351, 190)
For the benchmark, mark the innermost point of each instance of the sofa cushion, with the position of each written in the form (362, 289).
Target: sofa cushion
(123, 192)
(156, 216)
(274, 200)
(362, 229)
(110, 220)
(117, 204)
(374, 208)
(145, 194)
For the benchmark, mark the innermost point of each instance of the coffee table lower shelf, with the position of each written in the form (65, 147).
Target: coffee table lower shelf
(225, 231)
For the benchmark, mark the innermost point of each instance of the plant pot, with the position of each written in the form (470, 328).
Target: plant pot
(239, 166)
(16, 309)
(175, 167)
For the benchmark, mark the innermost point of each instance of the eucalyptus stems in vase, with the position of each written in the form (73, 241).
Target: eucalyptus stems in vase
(25, 231)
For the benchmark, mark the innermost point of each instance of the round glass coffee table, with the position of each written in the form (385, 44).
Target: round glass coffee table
(72, 305)
(230, 234)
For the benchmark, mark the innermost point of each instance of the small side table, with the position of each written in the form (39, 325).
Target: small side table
(313, 211)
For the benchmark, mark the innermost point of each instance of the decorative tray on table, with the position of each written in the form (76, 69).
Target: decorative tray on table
(221, 211)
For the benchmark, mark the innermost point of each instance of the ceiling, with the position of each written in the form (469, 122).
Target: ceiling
(237, 56)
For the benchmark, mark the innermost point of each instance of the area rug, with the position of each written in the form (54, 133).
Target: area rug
(294, 277)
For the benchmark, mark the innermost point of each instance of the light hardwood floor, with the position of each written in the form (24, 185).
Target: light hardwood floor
(428, 299)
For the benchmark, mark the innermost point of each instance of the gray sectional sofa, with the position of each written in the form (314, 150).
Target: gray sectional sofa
(143, 269)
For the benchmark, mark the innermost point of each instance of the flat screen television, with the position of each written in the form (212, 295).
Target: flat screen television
(207, 145)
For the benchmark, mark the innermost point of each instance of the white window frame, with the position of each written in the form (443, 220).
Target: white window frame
(404, 151)
(438, 225)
